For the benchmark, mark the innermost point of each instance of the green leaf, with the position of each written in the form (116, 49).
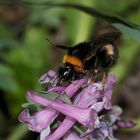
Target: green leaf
(6, 39)
(78, 129)
(88, 10)
(134, 33)
(120, 23)
(105, 16)
(18, 133)
(4, 32)
(54, 125)
(51, 96)
(7, 80)
(32, 107)
(115, 20)
(65, 99)
(112, 19)
(75, 29)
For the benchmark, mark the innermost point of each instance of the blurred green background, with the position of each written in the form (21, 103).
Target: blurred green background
(25, 54)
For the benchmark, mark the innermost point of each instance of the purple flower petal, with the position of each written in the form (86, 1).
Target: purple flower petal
(46, 77)
(64, 127)
(88, 102)
(66, 124)
(38, 121)
(107, 103)
(108, 92)
(74, 87)
(111, 80)
(83, 116)
(71, 89)
(45, 132)
(117, 111)
(69, 122)
(73, 136)
(58, 89)
(88, 96)
(98, 106)
(104, 131)
(114, 114)
(125, 124)
(93, 92)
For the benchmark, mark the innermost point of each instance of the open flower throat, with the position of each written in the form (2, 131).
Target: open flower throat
(79, 111)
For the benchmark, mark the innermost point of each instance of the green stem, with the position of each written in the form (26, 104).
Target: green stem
(18, 133)
(135, 128)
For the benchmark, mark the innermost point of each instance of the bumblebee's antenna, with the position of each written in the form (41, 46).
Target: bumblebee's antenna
(58, 46)
(50, 42)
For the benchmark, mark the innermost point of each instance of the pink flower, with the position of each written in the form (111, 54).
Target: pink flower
(84, 116)
(38, 121)
(80, 102)
(72, 136)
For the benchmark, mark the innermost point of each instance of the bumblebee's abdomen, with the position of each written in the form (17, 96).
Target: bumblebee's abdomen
(107, 56)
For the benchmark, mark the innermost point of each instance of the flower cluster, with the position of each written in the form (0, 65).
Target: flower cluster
(79, 111)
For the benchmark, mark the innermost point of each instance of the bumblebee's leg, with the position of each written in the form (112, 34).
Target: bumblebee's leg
(93, 76)
(95, 72)
(73, 76)
(104, 78)
(51, 81)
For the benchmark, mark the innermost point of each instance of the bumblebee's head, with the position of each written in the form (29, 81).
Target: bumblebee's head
(65, 73)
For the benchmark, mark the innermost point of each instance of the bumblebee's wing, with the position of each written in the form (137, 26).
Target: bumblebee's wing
(107, 38)
(80, 50)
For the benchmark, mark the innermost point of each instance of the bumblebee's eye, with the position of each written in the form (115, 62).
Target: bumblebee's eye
(64, 73)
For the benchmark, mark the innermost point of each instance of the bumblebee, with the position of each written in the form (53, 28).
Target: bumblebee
(93, 59)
